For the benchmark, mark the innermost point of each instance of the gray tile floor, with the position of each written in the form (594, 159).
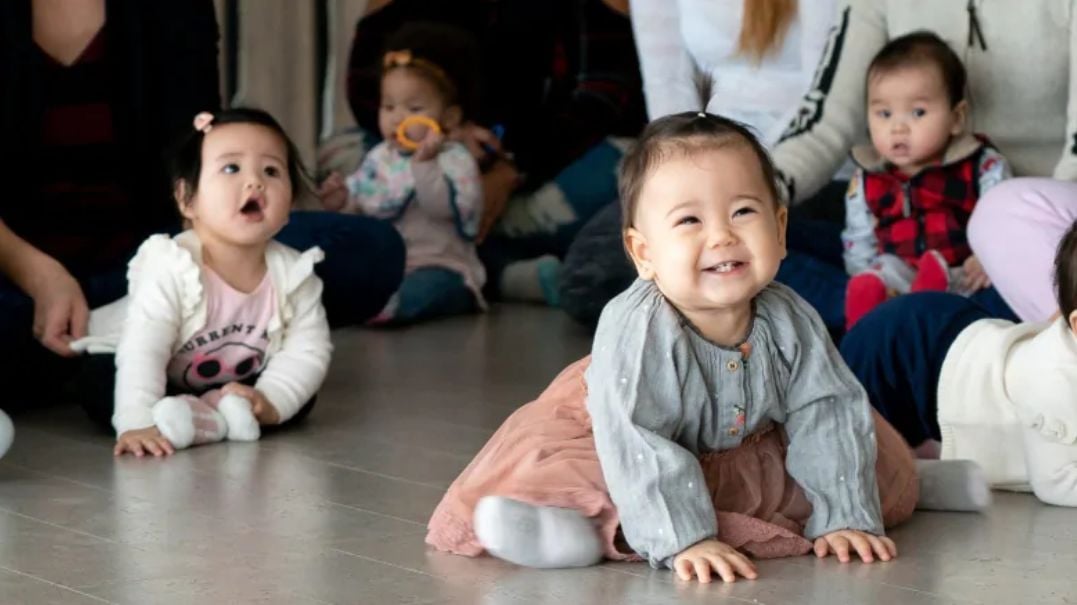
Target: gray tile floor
(334, 512)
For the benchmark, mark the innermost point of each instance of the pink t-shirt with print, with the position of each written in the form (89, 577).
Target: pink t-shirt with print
(233, 344)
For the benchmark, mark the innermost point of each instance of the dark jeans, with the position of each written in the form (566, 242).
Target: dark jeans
(432, 292)
(363, 267)
(897, 350)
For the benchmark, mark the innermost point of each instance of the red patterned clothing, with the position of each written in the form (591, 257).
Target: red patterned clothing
(888, 212)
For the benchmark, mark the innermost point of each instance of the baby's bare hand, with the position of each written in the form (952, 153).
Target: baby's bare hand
(711, 555)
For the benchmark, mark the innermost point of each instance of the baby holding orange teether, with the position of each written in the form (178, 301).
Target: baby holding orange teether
(428, 186)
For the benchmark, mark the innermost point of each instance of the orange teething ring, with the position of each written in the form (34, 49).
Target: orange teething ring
(402, 134)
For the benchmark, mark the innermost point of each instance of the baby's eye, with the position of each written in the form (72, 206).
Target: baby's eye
(272, 171)
(745, 211)
(230, 168)
(687, 220)
(415, 109)
(919, 112)
(883, 113)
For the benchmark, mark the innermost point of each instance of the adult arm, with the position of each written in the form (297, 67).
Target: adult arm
(832, 115)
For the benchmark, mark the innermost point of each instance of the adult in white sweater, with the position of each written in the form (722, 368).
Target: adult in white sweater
(1020, 74)
(698, 55)
(750, 60)
(1006, 393)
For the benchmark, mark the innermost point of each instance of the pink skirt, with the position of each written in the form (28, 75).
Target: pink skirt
(544, 454)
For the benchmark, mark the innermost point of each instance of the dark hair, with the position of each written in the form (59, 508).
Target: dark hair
(445, 55)
(684, 134)
(187, 155)
(1066, 272)
(920, 48)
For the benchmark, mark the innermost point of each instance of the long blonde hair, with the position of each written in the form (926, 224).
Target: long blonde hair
(764, 26)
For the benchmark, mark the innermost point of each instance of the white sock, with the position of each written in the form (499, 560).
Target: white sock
(952, 485)
(7, 433)
(242, 425)
(536, 536)
(534, 280)
(174, 419)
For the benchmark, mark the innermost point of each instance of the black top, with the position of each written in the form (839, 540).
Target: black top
(83, 147)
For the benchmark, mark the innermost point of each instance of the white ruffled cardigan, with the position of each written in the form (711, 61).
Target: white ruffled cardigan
(166, 305)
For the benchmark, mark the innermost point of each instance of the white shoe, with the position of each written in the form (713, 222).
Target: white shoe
(7, 433)
(174, 419)
(242, 425)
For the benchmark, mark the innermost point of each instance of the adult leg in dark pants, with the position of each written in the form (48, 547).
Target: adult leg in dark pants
(897, 350)
(363, 266)
(33, 374)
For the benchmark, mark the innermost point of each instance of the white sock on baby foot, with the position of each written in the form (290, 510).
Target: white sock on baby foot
(242, 425)
(952, 485)
(536, 536)
(7, 433)
(173, 418)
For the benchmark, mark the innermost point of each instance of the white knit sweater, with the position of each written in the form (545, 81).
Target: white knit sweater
(1021, 88)
(1008, 400)
(166, 306)
(685, 43)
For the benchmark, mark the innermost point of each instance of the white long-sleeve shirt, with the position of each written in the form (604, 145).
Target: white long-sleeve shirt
(684, 44)
(1007, 399)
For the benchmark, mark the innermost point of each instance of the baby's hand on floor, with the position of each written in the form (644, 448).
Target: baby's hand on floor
(333, 192)
(262, 409)
(708, 555)
(142, 441)
(868, 546)
(975, 276)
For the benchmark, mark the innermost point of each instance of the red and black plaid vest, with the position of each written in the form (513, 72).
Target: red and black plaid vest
(928, 211)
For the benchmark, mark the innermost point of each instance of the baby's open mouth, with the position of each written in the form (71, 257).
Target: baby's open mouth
(252, 208)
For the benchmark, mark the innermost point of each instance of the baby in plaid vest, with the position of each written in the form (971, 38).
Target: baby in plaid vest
(909, 202)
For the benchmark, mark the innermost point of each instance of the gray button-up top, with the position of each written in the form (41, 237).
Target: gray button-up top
(660, 395)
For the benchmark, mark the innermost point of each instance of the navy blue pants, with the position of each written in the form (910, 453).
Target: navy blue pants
(363, 266)
(432, 292)
(897, 350)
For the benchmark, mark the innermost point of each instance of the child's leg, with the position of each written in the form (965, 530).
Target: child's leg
(932, 274)
(906, 484)
(897, 354)
(952, 485)
(431, 292)
(1015, 231)
(869, 289)
(186, 420)
(536, 536)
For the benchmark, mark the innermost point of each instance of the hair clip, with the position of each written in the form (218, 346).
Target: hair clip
(397, 58)
(203, 122)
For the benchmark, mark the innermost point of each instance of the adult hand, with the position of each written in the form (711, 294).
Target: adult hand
(60, 309)
(479, 141)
